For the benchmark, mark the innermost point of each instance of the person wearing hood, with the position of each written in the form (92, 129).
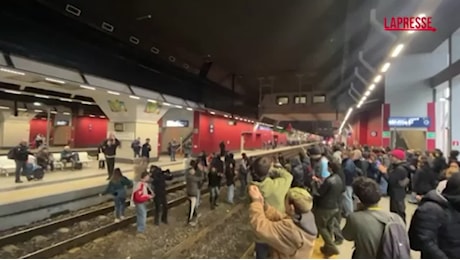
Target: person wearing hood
(453, 156)
(424, 179)
(439, 162)
(297, 172)
(435, 226)
(290, 234)
(397, 178)
(273, 189)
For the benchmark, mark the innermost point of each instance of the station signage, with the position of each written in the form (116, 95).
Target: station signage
(409, 122)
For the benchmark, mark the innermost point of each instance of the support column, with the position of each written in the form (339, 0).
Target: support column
(13, 129)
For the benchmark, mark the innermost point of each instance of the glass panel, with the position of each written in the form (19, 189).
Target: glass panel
(282, 100)
(300, 99)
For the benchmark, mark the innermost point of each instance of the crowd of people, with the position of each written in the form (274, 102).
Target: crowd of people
(295, 201)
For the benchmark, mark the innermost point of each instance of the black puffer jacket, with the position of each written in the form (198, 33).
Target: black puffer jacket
(435, 226)
(425, 180)
(397, 176)
(297, 172)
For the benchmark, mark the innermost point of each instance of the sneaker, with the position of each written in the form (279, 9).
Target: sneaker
(117, 220)
(19, 181)
(192, 223)
(122, 217)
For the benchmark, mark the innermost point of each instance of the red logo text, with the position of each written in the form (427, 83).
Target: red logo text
(408, 24)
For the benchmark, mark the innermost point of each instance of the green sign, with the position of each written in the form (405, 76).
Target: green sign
(386, 134)
(430, 135)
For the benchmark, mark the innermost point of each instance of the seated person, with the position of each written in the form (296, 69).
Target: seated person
(291, 234)
(45, 159)
(68, 156)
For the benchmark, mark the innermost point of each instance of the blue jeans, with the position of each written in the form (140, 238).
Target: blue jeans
(214, 195)
(119, 206)
(243, 183)
(198, 198)
(230, 193)
(172, 155)
(347, 201)
(141, 216)
(262, 251)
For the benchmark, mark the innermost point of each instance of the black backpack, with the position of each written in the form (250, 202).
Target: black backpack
(11, 154)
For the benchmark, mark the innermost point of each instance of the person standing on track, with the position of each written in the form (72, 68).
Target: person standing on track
(193, 178)
(109, 148)
(117, 187)
(140, 197)
(159, 178)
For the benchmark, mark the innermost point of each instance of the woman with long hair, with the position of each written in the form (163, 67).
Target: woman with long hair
(117, 187)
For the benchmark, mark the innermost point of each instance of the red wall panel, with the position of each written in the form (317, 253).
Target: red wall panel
(89, 131)
(204, 140)
(365, 123)
(38, 126)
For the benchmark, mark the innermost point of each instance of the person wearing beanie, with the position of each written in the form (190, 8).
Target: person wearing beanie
(434, 228)
(273, 189)
(290, 234)
(397, 176)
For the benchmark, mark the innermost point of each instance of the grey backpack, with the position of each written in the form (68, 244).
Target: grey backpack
(395, 240)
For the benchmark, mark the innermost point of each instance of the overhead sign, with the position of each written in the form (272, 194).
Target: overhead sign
(409, 122)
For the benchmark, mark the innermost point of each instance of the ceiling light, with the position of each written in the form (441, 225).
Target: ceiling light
(364, 98)
(101, 116)
(151, 100)
(92, 116)
(22, 109)
(359, 105)
(12, 91)
(237, 118)
(133, 97)
(12, 71)
(212, 113)
(38, 111)
(113, 93)
(2, 107)
(367, 93)
(66, 113)
(378, 78)
(87, 87)
(86, 103)
(53, 112)
(66, 99)
(55, 80)
(371, 87)
(385, 67)
(42, 96)
(421, 16)
(180, 107)
(397, 50)
(166, 104)
(37, 104)
(189, 109)
(225, 115)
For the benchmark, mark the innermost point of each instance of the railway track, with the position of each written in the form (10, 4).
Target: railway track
(74, 240)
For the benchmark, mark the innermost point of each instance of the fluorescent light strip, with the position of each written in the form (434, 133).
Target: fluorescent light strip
(53, 112)
(92, 116)
(22, 109)
(55, 80)
(367, 93)
(41, 96)
(212, 112)
(87, 87)
(189, 109)
(397, 50)
(372, 87)
(101, 116)
(12, 71)
(86, 103)
(421, 16)
(180, 107)
(113, 93)
(2, 107)
(66, 113)
(151, 101)
(66, 99)
(38, 111)
(12, 91)
(385, 67)
(226, 116)
(378, 78)
(134, 97)
(166, 104)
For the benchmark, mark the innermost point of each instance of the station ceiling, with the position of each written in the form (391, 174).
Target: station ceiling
(318, 41)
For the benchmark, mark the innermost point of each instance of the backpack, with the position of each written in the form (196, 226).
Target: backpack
(11, 153)
(395, 240)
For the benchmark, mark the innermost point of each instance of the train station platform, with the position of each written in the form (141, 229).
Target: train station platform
(65, 191)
